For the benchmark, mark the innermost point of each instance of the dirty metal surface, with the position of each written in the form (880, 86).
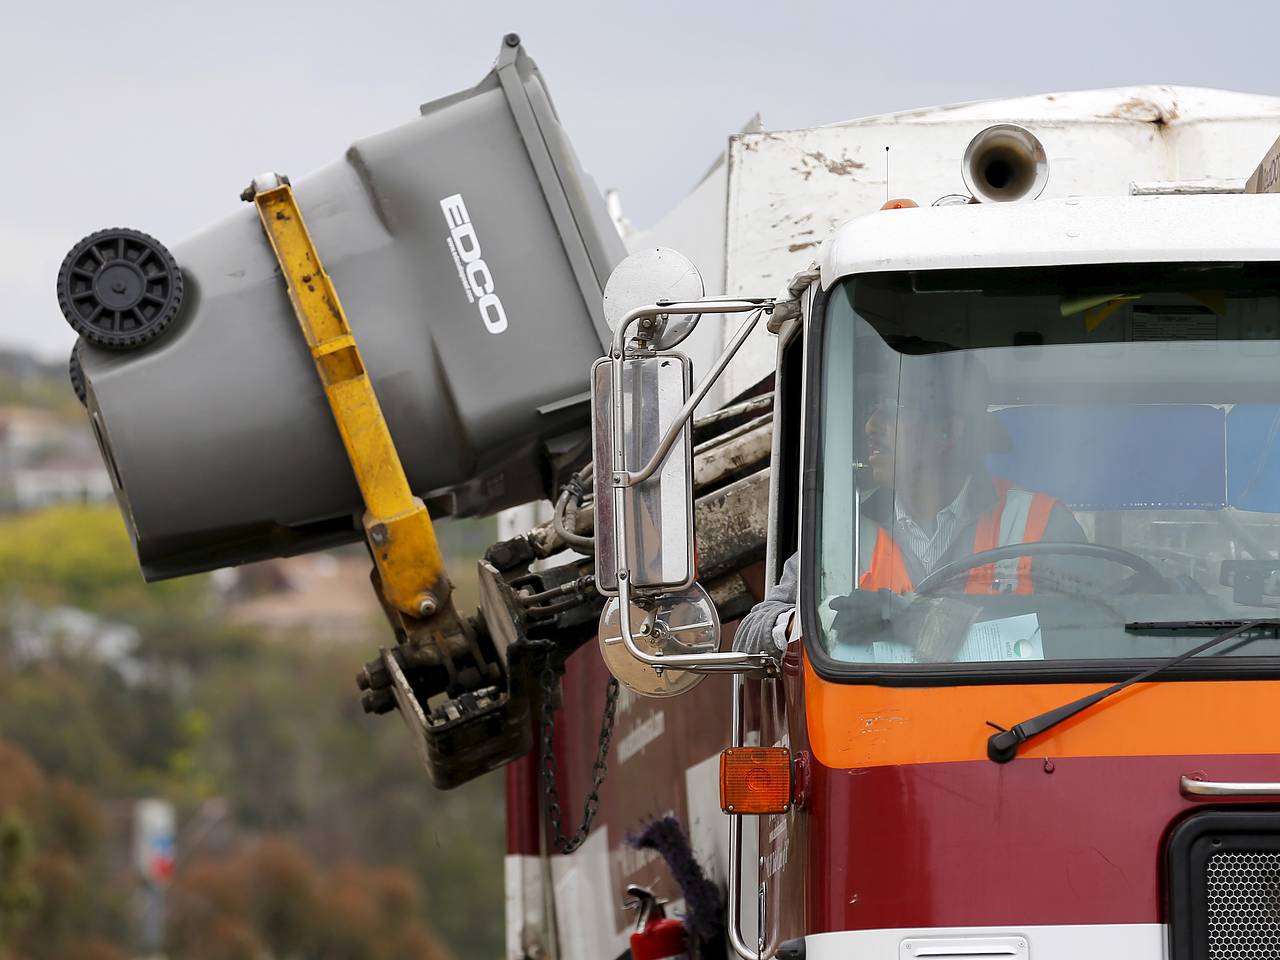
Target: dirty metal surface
(789, 190)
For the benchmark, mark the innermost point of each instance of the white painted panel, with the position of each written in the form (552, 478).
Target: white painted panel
(584, 902)
(788, 191)
(708, 826)
(525, 902)
(696, 228)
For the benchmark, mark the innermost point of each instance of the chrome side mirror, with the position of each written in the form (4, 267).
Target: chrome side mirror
(670, 624)
(654, 275)
(661, 630)
(656, 515)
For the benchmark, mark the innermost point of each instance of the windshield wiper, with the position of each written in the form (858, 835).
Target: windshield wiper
(1003, 746)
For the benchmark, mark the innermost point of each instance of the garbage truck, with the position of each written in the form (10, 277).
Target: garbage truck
(911, 584)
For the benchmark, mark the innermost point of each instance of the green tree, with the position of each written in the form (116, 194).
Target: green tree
(26, 382)
(270, 900)
(272, 725)
(298, 756)
(56, 898)
(19, 896)
(80, 555)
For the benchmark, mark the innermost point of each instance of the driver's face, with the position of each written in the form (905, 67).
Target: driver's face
(903, 443)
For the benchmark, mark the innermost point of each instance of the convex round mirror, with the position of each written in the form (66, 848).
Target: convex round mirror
(669, 625)
(649, 276)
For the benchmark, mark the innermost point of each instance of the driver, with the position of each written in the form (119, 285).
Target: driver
(933, 502)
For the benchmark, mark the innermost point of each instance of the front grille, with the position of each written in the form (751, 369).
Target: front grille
(1223, 869)
(1243, 893)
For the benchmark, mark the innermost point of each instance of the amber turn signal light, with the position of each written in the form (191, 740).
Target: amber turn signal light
(755, 780)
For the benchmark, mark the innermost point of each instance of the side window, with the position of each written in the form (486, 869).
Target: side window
(788, 405)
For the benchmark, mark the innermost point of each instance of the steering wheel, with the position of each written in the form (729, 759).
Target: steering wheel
(1145, 570)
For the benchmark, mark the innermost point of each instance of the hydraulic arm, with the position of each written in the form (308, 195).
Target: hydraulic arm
(445, 675)
(396, 524)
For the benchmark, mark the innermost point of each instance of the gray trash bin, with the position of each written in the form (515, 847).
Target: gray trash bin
(469, 250)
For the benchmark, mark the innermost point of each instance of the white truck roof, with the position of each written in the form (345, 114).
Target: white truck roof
(1232, 227)
(761, 217)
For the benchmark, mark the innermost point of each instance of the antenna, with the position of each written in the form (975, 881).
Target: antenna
(886, 173)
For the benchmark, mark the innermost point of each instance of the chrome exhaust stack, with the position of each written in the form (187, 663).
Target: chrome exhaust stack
(1005, 163)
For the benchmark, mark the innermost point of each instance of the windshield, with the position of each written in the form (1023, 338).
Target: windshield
(1015, 464)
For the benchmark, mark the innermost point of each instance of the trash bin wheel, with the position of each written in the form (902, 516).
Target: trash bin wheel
(119, 288)
(76, 373)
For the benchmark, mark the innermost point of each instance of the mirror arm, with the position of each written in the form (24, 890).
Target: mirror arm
(678, 424)
(695, 662)
(707, 305)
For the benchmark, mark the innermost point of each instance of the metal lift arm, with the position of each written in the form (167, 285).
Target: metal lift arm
(396, 523)
(458, 694)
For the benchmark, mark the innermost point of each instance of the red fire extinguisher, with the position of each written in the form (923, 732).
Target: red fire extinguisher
(657, 936)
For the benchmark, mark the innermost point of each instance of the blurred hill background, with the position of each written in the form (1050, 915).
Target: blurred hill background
(303, 828)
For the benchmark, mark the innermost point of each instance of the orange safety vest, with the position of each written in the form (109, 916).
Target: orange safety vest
(1021, 518)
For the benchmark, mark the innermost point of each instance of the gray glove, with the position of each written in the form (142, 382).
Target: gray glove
(864, 614)
(934, 627)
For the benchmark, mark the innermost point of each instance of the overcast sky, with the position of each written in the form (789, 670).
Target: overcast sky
(155, 115)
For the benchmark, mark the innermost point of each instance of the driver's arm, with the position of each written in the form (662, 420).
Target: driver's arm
(761, 629)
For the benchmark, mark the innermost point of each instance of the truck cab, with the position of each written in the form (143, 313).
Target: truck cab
(1106, 363)
(1023, 452)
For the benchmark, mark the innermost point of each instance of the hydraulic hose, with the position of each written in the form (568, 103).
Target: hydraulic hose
(564, 517)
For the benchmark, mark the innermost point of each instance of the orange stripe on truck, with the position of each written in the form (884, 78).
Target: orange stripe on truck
(861, 725)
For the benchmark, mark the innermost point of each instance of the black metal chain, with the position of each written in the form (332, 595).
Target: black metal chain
(598, 770)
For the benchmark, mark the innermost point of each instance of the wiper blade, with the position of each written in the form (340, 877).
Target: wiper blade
(1003, 746)
(1163, 625)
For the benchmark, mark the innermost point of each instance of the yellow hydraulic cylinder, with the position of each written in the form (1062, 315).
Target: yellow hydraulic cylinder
(396, 523)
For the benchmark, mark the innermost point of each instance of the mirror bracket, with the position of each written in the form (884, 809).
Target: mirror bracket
(621, 476)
